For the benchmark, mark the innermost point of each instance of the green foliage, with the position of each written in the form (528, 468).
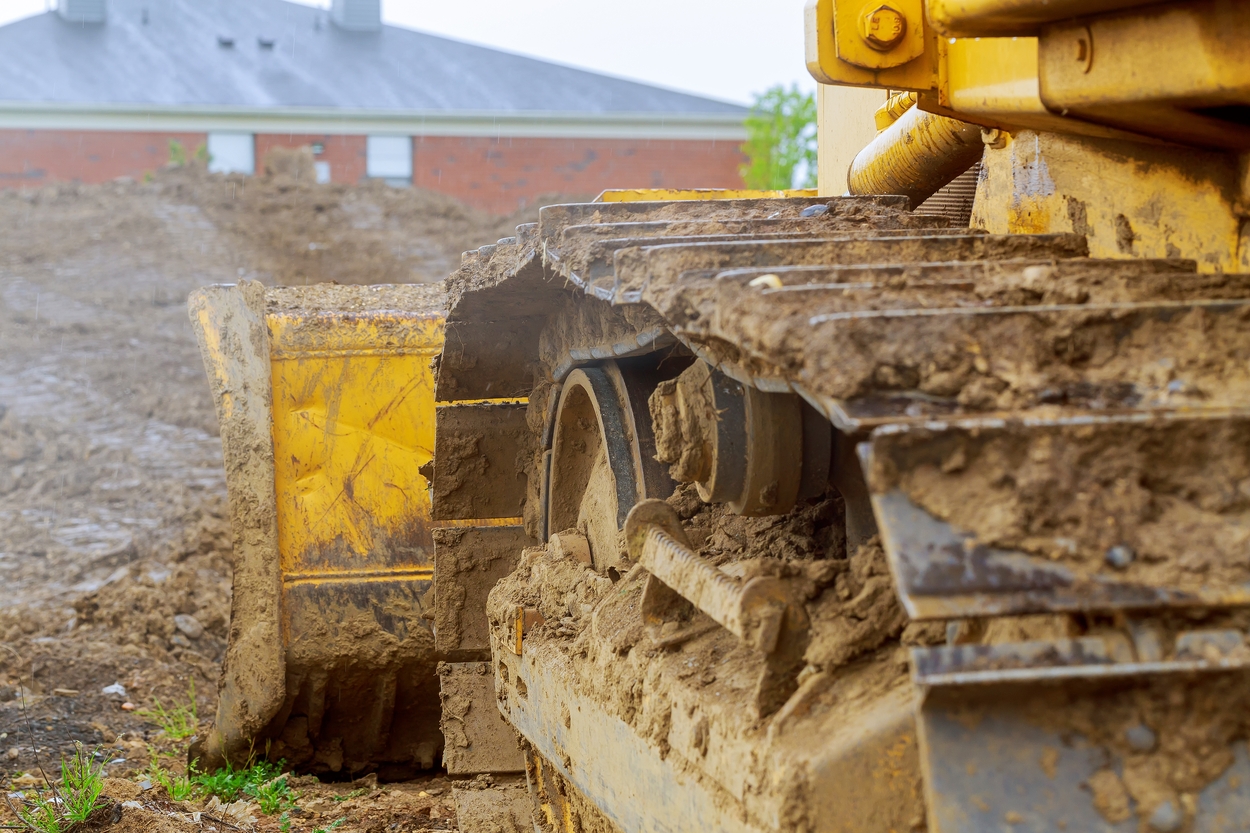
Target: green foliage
(201, 153)
(82, 782)
(229, 783)
(261, 781)
(181, 720)
(334, 825)
(781, 140)
(39, 811)
(177, 153)
(274, 796)
(57, 808)
(178, 787)
(349, 796)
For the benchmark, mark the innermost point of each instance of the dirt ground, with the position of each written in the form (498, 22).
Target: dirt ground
(114, 548)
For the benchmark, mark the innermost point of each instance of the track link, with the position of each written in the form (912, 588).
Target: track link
(1029, 431)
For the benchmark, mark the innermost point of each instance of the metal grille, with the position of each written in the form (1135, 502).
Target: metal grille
(954, 200)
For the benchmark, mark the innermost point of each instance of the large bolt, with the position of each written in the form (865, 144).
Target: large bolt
(883, 26)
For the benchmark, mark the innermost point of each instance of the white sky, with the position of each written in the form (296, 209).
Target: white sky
(726, 49)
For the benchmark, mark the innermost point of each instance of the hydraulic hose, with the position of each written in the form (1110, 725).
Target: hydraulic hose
(915, 156)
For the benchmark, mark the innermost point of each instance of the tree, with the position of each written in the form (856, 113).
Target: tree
(781, 140)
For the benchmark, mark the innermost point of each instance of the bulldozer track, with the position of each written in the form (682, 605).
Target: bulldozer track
(1016, 429)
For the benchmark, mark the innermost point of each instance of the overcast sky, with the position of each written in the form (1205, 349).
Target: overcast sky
(727, 49)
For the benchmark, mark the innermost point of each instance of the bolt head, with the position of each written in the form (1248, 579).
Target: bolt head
(883, 26)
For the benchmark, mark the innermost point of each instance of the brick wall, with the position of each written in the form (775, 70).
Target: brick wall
(32, 158)
(345, 154)
(503, 174)
(494, 174)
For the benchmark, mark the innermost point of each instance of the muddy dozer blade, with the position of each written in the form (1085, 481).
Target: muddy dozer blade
(325, 398)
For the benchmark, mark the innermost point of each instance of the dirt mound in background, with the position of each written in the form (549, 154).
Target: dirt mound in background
(293, 231)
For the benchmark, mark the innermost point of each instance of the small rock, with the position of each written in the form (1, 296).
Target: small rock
(132, 805)
(814, 211)
(114, 690)
(180, 640)
(12, 754)
(1140, 737)
(1120, 556)
(189, 625)
(1166, 818)
(128, 707)
(435, 791)
(145, 784)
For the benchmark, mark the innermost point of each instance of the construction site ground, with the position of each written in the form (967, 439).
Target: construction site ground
(114, 548)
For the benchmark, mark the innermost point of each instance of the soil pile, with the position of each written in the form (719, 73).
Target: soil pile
(114, 539)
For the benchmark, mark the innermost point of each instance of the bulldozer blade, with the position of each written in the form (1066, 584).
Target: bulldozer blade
(326, 401)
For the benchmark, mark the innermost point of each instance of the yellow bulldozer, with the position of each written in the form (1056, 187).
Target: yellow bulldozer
(919, 502)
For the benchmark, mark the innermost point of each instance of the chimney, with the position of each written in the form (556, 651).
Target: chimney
(81, 11)
(355, 15)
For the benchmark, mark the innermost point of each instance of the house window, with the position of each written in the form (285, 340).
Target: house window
(322, 170)
(231, 153)
(389, 158)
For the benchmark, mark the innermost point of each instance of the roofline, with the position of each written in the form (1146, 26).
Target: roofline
(530, 123)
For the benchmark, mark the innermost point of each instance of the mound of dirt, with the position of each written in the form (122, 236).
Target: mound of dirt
(114, 543)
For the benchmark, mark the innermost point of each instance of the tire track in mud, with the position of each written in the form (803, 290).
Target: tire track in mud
(89, 484)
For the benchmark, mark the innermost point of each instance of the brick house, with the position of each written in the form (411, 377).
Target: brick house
(100, 89)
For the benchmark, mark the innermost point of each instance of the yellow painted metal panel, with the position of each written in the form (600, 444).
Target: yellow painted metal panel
(670, 194)
(1179, 71)
(829, 27)
(968, 18)
(994, 82)
(993, 76)
(353, 422)
(1129, 200)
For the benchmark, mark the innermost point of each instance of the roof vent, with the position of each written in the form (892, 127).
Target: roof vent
(357, 15)
(81, 11)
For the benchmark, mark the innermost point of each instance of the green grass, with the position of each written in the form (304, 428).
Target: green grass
(348, 796)
(178, 722)
(259, 781)
(178, 787)
(56, 808)
(331, 826)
